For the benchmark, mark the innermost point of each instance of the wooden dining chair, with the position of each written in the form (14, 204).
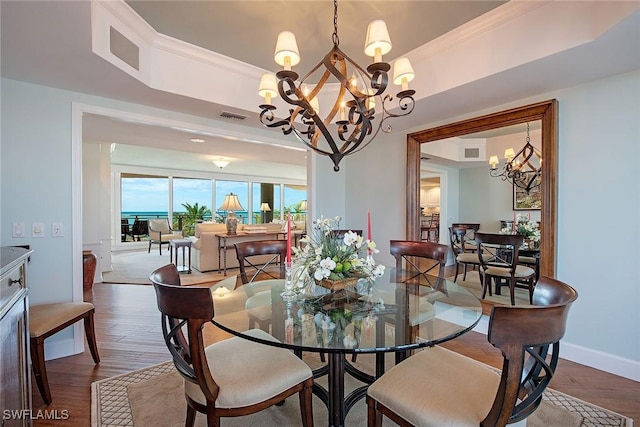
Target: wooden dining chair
(438, 387)
(260, 260)
(418, 264)
(499, 261)
(230, 378)
(422, 262)
(458, 240)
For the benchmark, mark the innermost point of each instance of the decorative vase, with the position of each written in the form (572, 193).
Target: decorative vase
(337, 285)
(89, 261)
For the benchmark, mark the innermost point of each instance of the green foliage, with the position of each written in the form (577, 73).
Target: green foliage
(194, 213)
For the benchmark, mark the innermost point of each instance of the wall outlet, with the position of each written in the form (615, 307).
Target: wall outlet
(17, 230)
(57, 229)
(37, 229)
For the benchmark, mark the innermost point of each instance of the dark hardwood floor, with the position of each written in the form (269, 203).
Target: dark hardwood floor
(129, 338)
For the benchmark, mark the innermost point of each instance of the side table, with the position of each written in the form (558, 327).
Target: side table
(176, 244)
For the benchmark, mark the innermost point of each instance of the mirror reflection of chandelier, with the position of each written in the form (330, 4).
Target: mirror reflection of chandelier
(349, 124)
(523, 169)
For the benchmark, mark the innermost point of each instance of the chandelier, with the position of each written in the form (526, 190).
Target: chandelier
(523, 169)
(352, 122)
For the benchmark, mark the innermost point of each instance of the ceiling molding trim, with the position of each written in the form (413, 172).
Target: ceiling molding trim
(511, 35)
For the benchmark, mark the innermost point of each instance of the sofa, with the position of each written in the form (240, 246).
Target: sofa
(204, 250)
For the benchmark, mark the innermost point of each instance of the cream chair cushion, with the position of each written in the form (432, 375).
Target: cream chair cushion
(437, 387)
(521, 271)
(239, 366)
(159, 231)
(46, 317)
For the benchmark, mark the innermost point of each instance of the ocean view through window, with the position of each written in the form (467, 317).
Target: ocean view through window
(145, 196)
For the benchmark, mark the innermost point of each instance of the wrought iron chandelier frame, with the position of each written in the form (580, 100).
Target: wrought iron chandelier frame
(349, 126)
(520, 170)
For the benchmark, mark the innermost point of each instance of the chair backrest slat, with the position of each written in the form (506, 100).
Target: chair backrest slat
(407, 254)
(185, 307)
(524, 335)
(253, 264)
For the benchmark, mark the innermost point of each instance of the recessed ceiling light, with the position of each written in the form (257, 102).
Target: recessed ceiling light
(197, 140)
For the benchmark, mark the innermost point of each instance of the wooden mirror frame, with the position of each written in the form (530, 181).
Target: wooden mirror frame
(547, 112)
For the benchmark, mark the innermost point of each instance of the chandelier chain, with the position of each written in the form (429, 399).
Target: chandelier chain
(336, 39)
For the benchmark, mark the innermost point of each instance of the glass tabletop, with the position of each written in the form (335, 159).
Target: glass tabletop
(398, 311)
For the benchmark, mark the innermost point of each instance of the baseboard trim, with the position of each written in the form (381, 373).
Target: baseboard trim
(609, 363)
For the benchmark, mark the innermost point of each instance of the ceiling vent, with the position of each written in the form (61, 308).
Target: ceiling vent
(228, 115)
(471, 153)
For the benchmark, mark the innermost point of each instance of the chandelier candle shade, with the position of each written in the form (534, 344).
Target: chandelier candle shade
(523, 169)
(349, 124)
(231, 204)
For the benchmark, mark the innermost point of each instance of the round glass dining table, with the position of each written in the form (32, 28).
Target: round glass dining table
(398, 312)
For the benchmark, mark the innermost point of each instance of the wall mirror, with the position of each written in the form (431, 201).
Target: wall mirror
(546, 113)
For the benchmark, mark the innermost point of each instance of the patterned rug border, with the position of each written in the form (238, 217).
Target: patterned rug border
(116, 410)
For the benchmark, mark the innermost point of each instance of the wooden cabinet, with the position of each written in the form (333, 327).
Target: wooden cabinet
(15, 377)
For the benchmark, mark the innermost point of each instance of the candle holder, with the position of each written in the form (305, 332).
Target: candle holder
(288, 292)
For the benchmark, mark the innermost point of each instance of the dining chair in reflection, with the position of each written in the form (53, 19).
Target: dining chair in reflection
(463, 255)
(503, 264)
(438, 387)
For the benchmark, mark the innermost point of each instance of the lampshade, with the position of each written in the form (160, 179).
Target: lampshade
(493, 161)
(377, 38)
(231, 203)
(265, 207)
(402, 72)
(220, 163)
(509, 154)
(315, 104)
(286, 46)
(303, 205)
(268, 87)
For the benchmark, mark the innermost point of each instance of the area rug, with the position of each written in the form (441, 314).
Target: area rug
(134, 267)
(154, 396)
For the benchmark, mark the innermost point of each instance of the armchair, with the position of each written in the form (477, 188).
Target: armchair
(161, 232)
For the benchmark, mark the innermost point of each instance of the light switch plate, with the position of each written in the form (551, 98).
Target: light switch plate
(57, 230)
(37, 229)
(18, 230)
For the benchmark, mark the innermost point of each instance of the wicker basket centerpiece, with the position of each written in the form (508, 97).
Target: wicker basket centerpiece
(339, 284)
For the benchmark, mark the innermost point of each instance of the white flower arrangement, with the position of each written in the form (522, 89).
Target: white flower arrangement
(525, 226)
(325, 256)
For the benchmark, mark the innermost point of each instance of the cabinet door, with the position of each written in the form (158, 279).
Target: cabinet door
(14, 374)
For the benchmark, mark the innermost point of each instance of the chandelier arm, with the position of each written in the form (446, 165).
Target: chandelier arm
(405, 102)
(267, 116)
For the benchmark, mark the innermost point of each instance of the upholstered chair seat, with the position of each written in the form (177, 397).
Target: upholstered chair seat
(263, 377)
(445, 379)
(521, 271)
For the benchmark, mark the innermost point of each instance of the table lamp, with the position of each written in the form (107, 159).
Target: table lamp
(264, 207)
(231, 204)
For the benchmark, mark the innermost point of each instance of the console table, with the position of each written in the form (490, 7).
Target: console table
(227, 240)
